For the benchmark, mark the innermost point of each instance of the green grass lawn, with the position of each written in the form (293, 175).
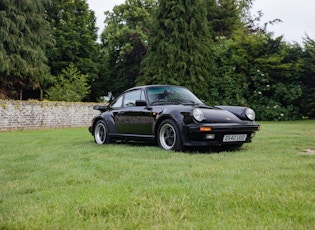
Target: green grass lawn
(60, 179)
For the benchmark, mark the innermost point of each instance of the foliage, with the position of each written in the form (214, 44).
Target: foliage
(23, 39)
(307, 101)
(74, 33)
(179, 47)
(214, 47)
(59, 179)
(230, 84)
(224, 17)
(70, 85)
(276, 81)
(124, 44)
(265, 74)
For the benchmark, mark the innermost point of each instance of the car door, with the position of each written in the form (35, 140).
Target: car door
(132, 119)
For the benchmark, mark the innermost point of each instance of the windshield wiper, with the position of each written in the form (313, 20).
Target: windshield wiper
(207, 106)
(161, 103)
(186, 102)
(178, 102)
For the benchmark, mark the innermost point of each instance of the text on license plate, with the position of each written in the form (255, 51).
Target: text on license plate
(235, 137)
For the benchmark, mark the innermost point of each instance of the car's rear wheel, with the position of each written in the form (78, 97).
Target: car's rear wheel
(101, 132)
(168, 136)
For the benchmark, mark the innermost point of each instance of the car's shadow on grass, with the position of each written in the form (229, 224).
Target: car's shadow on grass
(188, 150)
(210, 150)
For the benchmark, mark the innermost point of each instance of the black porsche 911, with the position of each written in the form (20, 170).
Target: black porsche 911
(174, 118)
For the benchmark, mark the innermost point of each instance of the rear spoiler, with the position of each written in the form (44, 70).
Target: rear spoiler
(101, 108)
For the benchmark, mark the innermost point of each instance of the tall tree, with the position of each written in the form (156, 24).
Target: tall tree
(179, 47)
(24, 34)
(224, 16)
(75, 35)
(124, 44)
(307, 101)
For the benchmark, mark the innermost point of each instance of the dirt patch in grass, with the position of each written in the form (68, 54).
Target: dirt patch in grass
(308, 152)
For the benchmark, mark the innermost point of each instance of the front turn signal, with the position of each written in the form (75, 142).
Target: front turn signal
(205, 129)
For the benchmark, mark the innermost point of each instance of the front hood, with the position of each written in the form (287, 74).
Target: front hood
(219, 116)
(211, 114)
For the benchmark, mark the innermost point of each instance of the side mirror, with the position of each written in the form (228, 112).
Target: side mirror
(101, 108)
(141, 103)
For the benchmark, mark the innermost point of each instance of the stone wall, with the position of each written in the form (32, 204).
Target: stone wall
(42, 114)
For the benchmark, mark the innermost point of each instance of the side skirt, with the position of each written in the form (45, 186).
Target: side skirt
(134, 137)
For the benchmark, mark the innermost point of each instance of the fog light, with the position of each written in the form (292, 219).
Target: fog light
(210, 136)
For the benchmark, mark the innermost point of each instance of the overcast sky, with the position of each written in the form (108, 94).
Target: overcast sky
(297, 16)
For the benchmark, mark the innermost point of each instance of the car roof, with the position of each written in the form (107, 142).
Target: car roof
(149, 86)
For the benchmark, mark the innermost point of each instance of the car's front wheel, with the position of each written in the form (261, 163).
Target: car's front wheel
(101, 132)
(168, 136)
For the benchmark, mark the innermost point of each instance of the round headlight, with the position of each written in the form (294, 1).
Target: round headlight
(198, 115)
(250, 114)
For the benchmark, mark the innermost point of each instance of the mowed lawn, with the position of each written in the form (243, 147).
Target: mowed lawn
(60, 179)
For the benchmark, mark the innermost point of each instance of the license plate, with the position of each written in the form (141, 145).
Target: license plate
(235, 137)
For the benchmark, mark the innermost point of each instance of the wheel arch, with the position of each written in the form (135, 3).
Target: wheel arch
(95, 120)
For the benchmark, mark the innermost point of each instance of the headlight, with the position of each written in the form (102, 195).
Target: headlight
(250, 114)
(198, 115)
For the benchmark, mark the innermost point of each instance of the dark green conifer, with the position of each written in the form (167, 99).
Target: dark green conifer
(179, 47)
(24, 34)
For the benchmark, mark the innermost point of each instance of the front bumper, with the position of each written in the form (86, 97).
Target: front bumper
(193, 136)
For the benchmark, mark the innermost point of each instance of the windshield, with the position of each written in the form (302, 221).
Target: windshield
(171, 95)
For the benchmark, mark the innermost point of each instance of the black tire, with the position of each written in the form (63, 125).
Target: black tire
(168, 136)
(100, 132)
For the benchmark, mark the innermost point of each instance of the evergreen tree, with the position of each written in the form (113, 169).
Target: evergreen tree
(307, 101)
(224, 17)
(124, 45)
(180, 47)
(75, 34)
(69, 85)
(24, 34)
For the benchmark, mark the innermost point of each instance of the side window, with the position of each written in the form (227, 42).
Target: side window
(117, 103)
(131, 97)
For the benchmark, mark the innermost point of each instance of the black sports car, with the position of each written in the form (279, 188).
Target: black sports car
(173, 117)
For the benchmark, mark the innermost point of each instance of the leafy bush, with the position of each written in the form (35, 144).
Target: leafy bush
(70, 85)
